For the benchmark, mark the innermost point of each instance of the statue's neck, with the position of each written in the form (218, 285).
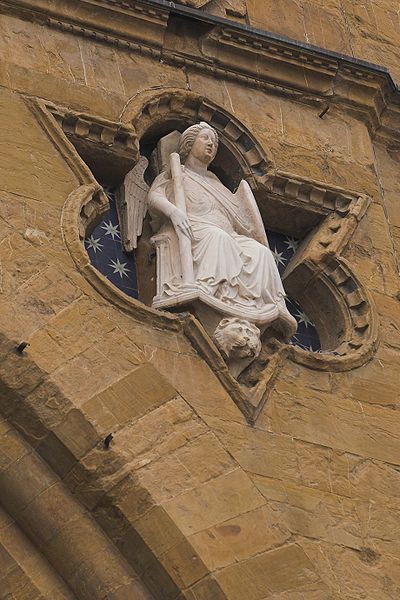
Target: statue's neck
(196, 165)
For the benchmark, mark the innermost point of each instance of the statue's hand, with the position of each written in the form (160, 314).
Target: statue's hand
(181, 223)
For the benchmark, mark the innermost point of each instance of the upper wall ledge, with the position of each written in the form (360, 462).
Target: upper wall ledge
(229, 50)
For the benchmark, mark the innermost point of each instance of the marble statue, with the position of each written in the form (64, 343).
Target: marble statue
(212, 247)
(239, 343)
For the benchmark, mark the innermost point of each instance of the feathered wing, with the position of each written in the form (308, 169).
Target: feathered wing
(132, 205)
(249, 213)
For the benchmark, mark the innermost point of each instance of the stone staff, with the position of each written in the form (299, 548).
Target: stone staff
(185, 244)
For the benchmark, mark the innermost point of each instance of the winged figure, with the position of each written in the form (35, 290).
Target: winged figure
(131, 200)
(221, 232)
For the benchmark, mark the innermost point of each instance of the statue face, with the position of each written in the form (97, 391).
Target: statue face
(243, 339)
(204, 146)
(238, 338)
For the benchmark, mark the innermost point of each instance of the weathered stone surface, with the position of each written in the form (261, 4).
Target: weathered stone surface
(165, 430)
(368, 31)
(196, 383)
(344, 423)
(241, 537)
(268, 573)
(194, 3)
(24, 173)
(191, 464)
(356, 570)
(305, 503)
(231, 8)
(326, 26)
(313, 514)
(215, 501)
(284, 17)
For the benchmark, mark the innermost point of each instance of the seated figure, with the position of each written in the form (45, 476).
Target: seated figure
(233, 269)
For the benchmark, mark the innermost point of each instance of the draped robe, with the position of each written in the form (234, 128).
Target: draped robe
(229, 263)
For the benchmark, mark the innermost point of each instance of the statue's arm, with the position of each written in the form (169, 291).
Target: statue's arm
(158, 197)
(161, 205)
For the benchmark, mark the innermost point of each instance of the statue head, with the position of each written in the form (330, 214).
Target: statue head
(201, 139)
(238, 340)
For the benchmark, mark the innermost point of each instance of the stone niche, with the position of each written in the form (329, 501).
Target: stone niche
(318, 221)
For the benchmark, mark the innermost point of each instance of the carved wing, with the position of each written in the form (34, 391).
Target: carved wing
(131, 200)
(250, 213)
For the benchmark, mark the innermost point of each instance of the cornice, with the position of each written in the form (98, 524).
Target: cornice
(229, 50)
(116, 137)
(134, 26)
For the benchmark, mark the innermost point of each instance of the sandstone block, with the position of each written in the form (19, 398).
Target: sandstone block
(241, 537)
(6, 561)
(207, 588)
(27, 173)
(159, 433)
(340, 423)
(76, 433)
(132, 396)
(158, 531)
(267, 574)
(131, 499)
(198, 385)
(191, 464)
(326, 26)
(259, 451)
(53, 509)
(185, 563)
(23, 481)
(214, 502)
(16, 583)
(283, 17)
(34, 564)
(358, 571)
(313, 514)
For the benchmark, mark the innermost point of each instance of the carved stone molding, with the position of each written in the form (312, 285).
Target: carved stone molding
(150, 110)
(110, 149)
(327, 198)
(78, 126)
(231, 51)
(320, 258)
(83, 207)
(116, 22)
(104, 37)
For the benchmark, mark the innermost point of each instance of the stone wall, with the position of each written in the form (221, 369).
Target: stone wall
(368, 30)
(190, 500)
(365, 29)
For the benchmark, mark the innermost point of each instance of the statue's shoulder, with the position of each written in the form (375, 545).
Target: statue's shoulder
(161, 179)
(218, 184)
(213, 177)
(213, 180)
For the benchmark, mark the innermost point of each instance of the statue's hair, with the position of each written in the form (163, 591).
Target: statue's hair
(189, 136)
(227, 341)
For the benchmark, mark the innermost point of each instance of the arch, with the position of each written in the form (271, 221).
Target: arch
(158, 112)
